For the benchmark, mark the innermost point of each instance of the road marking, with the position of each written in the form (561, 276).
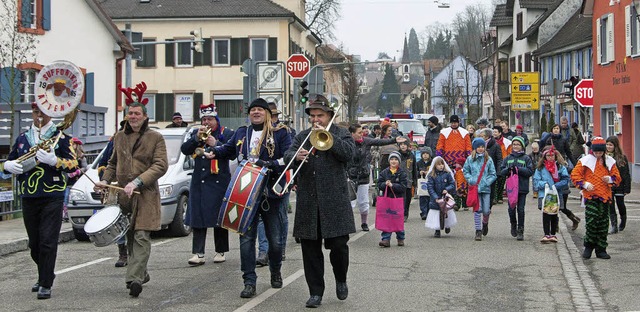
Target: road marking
(164, 241)
(272, 291)
(79, 266)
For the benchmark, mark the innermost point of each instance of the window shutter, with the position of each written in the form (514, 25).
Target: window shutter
(627, 30)
(88, 85)
(46, 14)
(198, 58)
(6, 95)
(25, 13)
(598, 42)
(197, 100)
(207, 52)
(245, 53)
(273, 49)
(168, 53)
(234, 51)
(610, 42)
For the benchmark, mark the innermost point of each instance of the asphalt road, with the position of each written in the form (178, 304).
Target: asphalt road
(453, 273)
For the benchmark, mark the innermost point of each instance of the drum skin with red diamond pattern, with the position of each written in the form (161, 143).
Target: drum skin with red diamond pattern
(239, 202)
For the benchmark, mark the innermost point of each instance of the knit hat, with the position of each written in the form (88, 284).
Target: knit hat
(598, 144)
(426, 150)
(176, 115)
(259, 102)
(477, 142)
(396, 155)
(405, 142)
(454, 118)
(519, 127)
(482, 121)
(434, 120)
(519, 139)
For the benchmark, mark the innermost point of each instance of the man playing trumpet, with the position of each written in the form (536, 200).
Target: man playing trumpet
(42, 202)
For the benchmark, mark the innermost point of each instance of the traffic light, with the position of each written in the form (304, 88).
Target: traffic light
(197, 40)
(573, 81)
(304, 92)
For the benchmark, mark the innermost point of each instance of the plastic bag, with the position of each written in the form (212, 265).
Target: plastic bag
(550, 202)
(513, 188)
(422, 187)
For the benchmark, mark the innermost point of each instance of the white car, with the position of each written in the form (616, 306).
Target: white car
(174, 190)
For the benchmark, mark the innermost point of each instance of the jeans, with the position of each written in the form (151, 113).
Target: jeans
(270, 212)
(522, 198)
(424, 206)
(263, 244)
(387, 235)
(484, 199)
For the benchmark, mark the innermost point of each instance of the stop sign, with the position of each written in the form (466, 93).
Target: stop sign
(297, 66)
(583, 92)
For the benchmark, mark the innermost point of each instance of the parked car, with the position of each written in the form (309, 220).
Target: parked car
(407, 125)
(174, 190)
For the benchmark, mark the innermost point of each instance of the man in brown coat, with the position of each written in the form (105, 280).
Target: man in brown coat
(138, 161)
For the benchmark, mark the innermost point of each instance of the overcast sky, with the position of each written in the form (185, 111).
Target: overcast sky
(371, 26)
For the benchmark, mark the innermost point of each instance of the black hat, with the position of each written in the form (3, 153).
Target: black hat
(454, 118)
(434, 120)
(176, 115)
(259, 102)
(274, 108)
(482, 121)
(320, 102)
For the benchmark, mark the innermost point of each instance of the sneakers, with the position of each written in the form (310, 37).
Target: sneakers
(478, 235)
(545, 239)
(314, 301)
(436, 234)
(196, 260)
(365, 227)
(514, 232)
(401, 242)
(485, 229)
(248, 291)
(447, 230)
(219, 257)
(423, 217)
(553, 239)
(384, 243)
(135, 289)
(276, 280)
(342, 291)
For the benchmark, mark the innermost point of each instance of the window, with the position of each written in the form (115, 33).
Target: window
(259, 49)
(527, 62)
(27, 86)
(459, 74)
(231, 109)
(34, 16)
(148, 54)
(151, 106)
(221, 52)
(503, 70)
(184, 54)
(609, 127)
(29, 17)
(632, 26)
(604, 42)
(519, 24)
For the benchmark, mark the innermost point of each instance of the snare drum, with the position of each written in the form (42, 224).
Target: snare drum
(237, 210)
(106, 226)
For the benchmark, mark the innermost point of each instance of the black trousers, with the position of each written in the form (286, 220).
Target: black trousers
(220, 240)
(43, 218)
(313, 261)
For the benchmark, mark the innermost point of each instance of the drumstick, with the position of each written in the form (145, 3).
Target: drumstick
(111, 186)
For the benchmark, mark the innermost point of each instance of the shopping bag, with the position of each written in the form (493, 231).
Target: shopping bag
(422, 187)
(389, 213)
(472, 197)
(550, 202)
(512, 186)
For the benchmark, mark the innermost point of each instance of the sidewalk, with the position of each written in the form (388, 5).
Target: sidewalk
(13, 235)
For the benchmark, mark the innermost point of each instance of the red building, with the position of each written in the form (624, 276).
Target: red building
(616, 73)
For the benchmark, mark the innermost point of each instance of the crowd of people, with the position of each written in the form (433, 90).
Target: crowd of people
(458, 167)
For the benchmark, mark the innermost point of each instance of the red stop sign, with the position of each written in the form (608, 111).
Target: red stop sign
(298, 66)
(583, 93)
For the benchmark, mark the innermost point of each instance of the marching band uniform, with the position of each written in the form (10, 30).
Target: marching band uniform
(265, 149)
(41, 190)
(208, 186)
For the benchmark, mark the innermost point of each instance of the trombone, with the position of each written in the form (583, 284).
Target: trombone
(320, 139)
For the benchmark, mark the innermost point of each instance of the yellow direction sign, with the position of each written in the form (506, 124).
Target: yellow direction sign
(527, 87)
(525, 91)
(533, 77)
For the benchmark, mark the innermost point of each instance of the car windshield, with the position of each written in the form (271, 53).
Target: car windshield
(173, 143)
(407, 126)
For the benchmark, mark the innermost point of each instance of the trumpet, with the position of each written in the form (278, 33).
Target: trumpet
(320, 139)
(202, 137)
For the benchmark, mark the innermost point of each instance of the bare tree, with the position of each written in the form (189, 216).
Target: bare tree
(451, 92)
(469, 26)
(321, 16)
(16, 48)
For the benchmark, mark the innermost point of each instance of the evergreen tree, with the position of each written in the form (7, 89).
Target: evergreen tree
(414, 47)
(551, 122)
(430, 52)
(390, 95)
(543, 124)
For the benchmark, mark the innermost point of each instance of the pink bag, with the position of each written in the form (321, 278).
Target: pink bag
(512, 186)
(389, 213)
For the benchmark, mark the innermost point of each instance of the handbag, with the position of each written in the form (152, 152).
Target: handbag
(513, 188)
(551, 201)
(352, 189)
(422, 187)
(389, 213)
(472, 193)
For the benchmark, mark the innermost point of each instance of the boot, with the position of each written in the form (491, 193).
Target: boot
(478, 235)
(623, 222)
(520, 233)
(601, 253)
(575, 221)
(122, 260)
(436, 234)
(485, 229)
(514, 231)
(588, 250)
(613, 229)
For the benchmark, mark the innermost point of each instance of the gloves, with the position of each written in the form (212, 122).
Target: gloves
(45, 157)
(587, 186)
(267, 164)
(13, 166)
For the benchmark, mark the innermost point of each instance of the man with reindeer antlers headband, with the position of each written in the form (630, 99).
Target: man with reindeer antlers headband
(138, 161)
(263, 144)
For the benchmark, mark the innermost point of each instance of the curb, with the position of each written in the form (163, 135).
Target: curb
(23, 243)
(627, 201)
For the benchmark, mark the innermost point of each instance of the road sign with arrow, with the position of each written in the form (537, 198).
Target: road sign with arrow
(525, 91)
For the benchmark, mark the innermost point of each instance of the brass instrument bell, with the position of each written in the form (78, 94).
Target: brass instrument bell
(322, 140)
(202, 137)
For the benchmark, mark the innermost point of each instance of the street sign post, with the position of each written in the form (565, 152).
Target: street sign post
(583, 93)
(298, 66)
(525, 91)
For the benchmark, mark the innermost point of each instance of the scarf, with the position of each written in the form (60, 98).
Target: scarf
(360, 141)
(500, 140)
(552, 168)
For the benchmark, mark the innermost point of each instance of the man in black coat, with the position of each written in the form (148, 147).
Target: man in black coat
(433, 133)
(323, 209)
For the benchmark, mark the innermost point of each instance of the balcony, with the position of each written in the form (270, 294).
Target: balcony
(503, 90)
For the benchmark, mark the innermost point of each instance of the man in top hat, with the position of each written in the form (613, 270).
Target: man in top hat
(208, 186)
(323, 210)
(177, 121)
(263, 144)
(42, 201)
(454, 142)
(139, 159)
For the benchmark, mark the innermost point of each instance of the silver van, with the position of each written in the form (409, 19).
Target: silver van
(174, 190)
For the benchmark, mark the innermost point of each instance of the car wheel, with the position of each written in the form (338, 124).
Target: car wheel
(80, 235)
(177, 227)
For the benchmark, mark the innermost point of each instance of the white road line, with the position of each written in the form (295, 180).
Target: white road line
(165, 241)
(272, 291)
(79, 266)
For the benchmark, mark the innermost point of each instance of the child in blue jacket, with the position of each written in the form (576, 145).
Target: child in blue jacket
(551, 170)
(471, 170)
(395, 178)
(520, 160)
(440, 183)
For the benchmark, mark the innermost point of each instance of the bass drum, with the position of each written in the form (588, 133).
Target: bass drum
(106, 226)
